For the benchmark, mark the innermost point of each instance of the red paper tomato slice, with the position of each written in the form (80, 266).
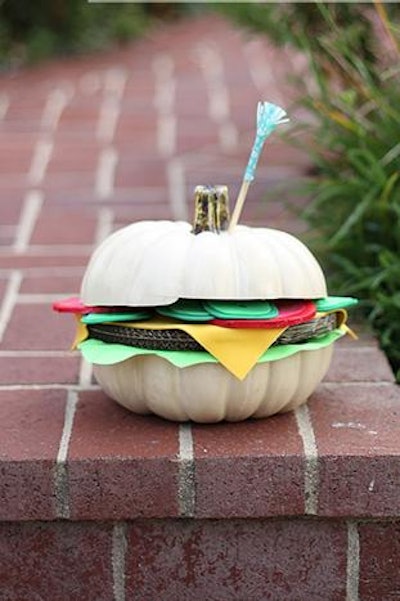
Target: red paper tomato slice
(291, 313)
(75, 305)
(72, 305)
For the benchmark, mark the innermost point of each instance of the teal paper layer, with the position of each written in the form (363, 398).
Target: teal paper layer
(103, 353)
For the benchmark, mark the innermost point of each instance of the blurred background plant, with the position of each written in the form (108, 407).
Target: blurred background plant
(33, 31)
(352, 136)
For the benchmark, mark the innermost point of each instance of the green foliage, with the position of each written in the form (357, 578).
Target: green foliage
(353, 139)
(304, 25)
(31, 31)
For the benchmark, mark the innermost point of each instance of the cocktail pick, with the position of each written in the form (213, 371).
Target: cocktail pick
(269, 116)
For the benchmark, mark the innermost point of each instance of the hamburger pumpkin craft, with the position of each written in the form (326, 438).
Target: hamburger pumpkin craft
(209, 321)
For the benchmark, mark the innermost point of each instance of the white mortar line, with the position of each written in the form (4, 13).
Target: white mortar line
(110, 108)
(213, 72)
(228, 136)
(177, 189)
(306, 432)
(186, 489)
(164, 96)
(46, 270)
(70, 409)
(4, 105)
(108, 119)
(40, 160)
(105, 173)
(353, 562)
(115, 80)
(40, 250)
(212, 67)
(164, 101)
(104, 227)
(54, 386)
(261, 71)
(166, 135)
(85, 374)
(9, 300)
(60, 472)
(219, 100)
(56, 102)
(105, 219)
(39, 299)
(118, 557)
(40, 272)
(356, 383)
(35, 354)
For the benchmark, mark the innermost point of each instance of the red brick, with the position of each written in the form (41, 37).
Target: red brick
(81, 195)
(3, 286)
(256, 214)
(23, 115)
(7, 236)
(37, 327)
(126, 200)
(142, 123)
(52, 284)
(249, 469)
(39, 370)
(365, 337)
(68, 182)
(252, 560)
(79, 116)
(189, 112)
(357, 431)
(121, 465)
(141, 211)
(15, 156)
(354, 365)
(74, 156)
(56, 561)
(10, 206)
(49, 259)
(379, 561)
(146, 172)
(64, 225)
(133, 150)
(31, 423)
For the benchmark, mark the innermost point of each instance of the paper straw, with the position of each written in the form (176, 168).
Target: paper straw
(269, 116)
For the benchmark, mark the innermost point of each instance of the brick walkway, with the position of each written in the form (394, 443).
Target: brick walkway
(87, 146)
(92, 144)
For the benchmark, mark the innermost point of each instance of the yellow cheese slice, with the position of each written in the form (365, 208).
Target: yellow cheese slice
(81, 332)
(236, 349)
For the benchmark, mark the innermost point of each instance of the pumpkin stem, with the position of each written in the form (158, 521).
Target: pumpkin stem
(211, 209)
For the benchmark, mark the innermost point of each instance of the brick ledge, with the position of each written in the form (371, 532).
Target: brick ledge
(187, 560)
(74, 454)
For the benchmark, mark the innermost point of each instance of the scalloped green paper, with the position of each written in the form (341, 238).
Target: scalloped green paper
(103, 353)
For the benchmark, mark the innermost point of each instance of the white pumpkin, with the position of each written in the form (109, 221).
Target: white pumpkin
(208, 393)
(152, 263)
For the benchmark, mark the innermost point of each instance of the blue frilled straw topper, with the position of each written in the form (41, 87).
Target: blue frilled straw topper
(269, 116)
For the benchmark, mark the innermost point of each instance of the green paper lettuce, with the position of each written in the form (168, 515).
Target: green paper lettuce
(101, 353)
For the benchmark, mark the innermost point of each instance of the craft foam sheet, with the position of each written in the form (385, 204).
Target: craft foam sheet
(101, 353)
